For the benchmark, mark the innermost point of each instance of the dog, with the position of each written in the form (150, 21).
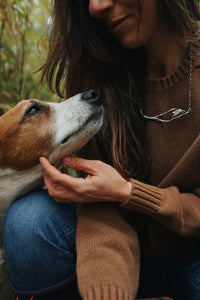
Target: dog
(33, 129)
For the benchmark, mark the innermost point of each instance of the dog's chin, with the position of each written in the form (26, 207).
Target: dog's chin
(72, 143)
(71, 147)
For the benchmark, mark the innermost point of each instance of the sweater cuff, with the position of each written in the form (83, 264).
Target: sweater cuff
(144, 198)
(107, 292)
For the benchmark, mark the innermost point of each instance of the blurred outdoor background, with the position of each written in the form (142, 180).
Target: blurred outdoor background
(24, 31)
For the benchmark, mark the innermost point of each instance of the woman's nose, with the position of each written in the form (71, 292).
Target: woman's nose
(98, 8)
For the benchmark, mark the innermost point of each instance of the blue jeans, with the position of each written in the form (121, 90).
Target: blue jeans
(39, 238)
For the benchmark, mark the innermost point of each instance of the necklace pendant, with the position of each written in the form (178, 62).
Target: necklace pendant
(173, 113)
(177, 111)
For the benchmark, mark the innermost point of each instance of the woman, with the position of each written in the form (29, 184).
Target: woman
(139, 215)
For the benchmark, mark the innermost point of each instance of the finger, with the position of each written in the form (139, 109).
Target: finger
(60, 200)
(59, 193)
(80, 164)
(58, 177)
(54, 189)
(46, 165)
(64, 195)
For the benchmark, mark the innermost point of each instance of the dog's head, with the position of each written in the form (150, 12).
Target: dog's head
(34, 128)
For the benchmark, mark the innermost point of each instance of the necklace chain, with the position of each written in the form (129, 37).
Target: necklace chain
(175, 112)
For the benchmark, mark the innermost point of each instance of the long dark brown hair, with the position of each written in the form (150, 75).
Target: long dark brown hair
(84, 55)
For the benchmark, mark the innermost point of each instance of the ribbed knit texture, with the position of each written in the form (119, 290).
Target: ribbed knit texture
(107, 292)
(144, 197)
(164, 210)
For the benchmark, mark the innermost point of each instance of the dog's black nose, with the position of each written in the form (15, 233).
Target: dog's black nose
(93, 96)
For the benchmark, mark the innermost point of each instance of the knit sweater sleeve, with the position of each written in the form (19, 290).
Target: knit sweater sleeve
(107, 254)
(179, 212)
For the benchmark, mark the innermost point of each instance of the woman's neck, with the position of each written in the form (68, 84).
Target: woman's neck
(164, 55)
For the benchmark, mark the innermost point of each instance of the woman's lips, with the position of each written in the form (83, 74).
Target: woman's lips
(116, 25)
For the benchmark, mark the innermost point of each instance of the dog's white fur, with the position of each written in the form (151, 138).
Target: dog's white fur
(59, 129)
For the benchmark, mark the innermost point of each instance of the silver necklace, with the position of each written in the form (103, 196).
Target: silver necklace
(175, 112)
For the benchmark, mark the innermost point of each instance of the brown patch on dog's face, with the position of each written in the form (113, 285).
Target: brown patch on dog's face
(25, 135)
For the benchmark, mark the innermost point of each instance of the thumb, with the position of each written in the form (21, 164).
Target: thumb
(80, 164)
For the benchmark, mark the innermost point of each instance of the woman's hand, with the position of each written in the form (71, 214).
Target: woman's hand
(103, 182)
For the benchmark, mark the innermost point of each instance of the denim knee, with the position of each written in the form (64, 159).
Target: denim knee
(187, 277)
(39, 240)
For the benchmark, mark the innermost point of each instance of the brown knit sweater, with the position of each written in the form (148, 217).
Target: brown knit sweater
(164, 212)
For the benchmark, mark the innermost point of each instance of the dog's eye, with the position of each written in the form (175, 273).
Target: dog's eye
(34, 109)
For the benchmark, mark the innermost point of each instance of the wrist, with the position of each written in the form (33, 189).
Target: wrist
(126, 192)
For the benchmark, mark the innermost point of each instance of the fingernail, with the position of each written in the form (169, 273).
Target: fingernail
(41, 159)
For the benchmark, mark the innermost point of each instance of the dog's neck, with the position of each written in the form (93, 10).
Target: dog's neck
(11, 183)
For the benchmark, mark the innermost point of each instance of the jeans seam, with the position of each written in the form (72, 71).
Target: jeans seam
(72, 247)
(67, 234)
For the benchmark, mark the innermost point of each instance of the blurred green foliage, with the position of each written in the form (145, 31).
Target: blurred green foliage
(24, 29)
